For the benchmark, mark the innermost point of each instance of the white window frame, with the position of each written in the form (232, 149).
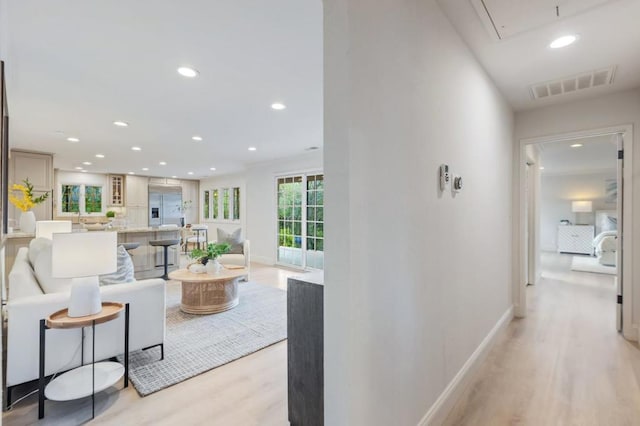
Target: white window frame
(82, 204)
(220, 217)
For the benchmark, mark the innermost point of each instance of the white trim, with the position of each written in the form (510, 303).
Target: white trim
(519, 296)
(448, 398)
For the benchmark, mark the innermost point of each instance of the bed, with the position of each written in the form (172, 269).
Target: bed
(606, 241)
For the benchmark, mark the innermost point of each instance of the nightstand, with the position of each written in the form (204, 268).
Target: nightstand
(575, 239)
(87, 379)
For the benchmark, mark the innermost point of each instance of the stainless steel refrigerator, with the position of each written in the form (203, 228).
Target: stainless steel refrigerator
(164, 205)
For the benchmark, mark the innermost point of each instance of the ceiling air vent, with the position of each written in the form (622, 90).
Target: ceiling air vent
(574, 83)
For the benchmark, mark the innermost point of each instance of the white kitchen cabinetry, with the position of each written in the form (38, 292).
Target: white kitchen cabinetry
(191, 192)
(575, 239)
(137, 200)
(38, 167)
(116, 190)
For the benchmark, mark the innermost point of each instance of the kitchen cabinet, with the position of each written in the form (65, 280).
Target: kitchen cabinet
(136, 191)
(116, 191)
(38, 167)
(148, 261)
(191, 192)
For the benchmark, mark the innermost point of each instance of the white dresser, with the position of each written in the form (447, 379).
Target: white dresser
(575, 239)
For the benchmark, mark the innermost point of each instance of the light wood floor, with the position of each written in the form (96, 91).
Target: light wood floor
(248, 391)
(564, 364)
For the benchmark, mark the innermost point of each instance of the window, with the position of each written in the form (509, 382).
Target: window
(70, 200)
(81, 199)
(93, 199)
(222, 200)
(215, 200)
(206, 205)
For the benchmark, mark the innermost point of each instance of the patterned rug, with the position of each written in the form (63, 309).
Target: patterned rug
(198, 343)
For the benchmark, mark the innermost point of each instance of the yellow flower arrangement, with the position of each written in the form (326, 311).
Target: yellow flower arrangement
(27, 202)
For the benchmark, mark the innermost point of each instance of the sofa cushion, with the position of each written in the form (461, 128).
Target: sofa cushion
(232, 259)
(36, 246)
(124, 273)
(234, 239)
(42, 270)
(22, 281)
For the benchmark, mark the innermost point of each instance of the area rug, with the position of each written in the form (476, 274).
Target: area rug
(198, 343)
(591, 264)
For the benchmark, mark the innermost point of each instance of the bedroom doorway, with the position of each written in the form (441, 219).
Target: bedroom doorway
(572, 215)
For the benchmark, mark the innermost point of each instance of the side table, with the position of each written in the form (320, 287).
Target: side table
(87, 379)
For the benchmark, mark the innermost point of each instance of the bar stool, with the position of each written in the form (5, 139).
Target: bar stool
(166, 244)
(197, 239)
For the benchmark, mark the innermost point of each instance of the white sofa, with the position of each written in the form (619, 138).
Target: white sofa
(28, 304)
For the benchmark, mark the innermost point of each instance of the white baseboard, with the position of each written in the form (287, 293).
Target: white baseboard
(445, 402)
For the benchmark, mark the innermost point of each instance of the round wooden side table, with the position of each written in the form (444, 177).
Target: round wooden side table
(208, 293)
(87, 379)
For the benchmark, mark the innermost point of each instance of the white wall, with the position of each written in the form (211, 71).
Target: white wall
(613, 110)
(558, 191)
(258, 217)
(414, 279)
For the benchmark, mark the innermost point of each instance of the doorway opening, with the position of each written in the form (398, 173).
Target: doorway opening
(574, 212)
(300, 241)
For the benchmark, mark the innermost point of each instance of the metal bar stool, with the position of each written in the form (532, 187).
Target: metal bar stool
(166, 244)
(130, 246)
(197, 239)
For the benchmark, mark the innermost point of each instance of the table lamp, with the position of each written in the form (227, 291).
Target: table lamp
(46, 228)
(581, 207)
(83, 256)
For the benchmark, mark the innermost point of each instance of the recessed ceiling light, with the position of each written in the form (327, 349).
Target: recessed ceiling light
(145, 169)
(99, 155)
(86, 163)
(136, 148)
(541, 167)
(196, 138)
(190, 173)
(132, 173)
(79, 168)
(73, 139)
(83, 171)
(121, 123)
(278, 106)
(252, 148)
(174, 176)
(187, 72)
(563, 41)
(576, 145)
(163, 163)
(213, 169)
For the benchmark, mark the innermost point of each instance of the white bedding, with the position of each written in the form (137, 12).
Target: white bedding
(606, 244)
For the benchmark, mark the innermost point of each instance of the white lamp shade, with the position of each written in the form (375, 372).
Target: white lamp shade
(84, 254)
(46, 228)
(581, 206)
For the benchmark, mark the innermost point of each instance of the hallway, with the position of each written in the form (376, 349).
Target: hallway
(564, 364)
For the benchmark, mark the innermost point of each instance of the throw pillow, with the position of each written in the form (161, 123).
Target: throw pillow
(234, 238)
(124, 273)
(42, 271)
(36, 246)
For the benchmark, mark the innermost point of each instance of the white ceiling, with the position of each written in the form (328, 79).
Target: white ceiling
(597, 154)
(75, 66)
(609, 36)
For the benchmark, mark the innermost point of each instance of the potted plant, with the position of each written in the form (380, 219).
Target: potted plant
(209, 256)
(26, 203)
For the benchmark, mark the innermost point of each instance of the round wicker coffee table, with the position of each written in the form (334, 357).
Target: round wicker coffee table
(204, 294)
